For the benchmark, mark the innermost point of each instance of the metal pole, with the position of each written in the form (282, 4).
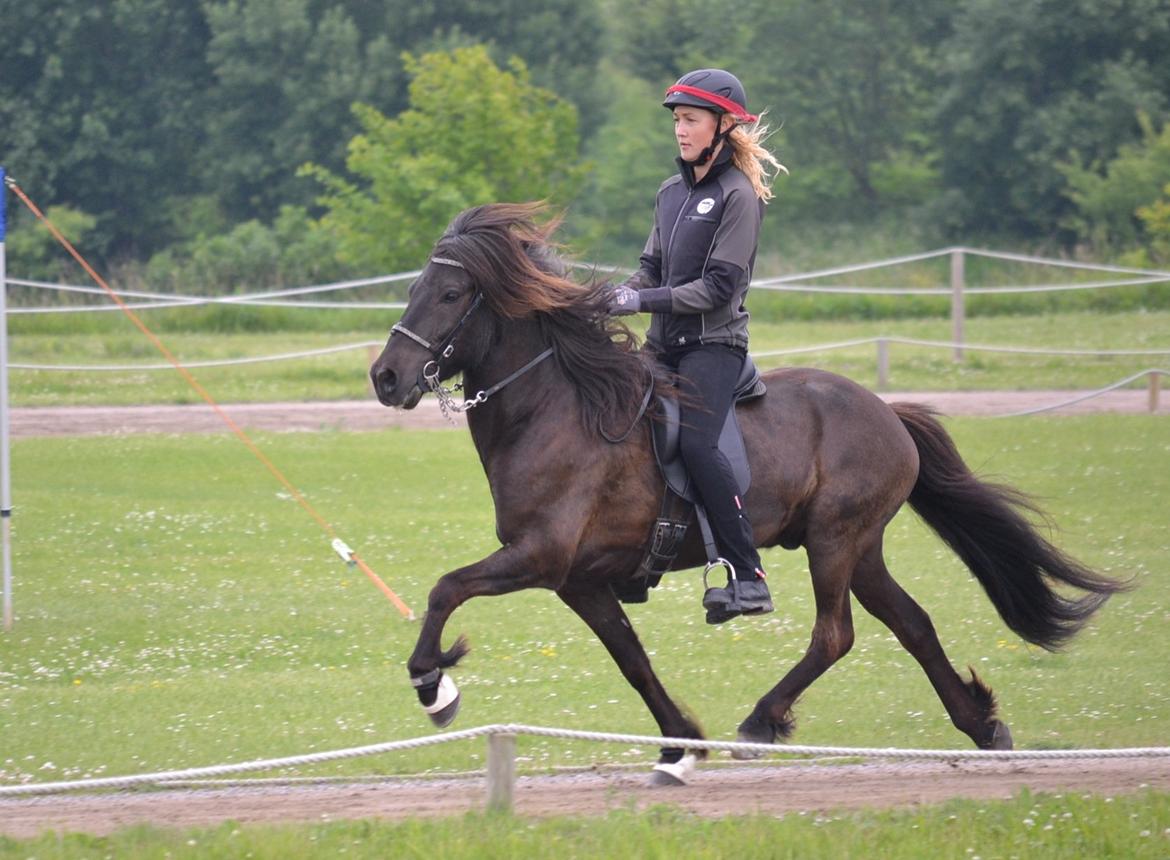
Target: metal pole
(957, 309)
(5, 460)
(883, 364)
(501, 771)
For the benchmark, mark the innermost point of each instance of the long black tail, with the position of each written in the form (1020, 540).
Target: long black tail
(985, 525)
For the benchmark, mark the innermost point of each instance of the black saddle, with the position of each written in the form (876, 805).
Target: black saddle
(666, 435)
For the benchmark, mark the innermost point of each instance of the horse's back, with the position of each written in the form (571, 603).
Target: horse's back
(818, 439)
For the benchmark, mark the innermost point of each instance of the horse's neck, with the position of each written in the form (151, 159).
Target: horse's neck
(525, 400)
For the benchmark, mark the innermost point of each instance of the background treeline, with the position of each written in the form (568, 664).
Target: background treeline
(225, 144)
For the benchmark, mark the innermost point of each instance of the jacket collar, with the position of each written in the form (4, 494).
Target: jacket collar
(721, 163)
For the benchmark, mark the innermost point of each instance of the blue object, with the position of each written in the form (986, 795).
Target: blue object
(3, 197)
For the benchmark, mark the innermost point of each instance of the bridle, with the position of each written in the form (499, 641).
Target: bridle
(431, 371)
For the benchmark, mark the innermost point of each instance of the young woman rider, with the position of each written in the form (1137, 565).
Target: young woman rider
(693, 277)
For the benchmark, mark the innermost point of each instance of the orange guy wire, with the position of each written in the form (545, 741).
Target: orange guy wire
(339, 546)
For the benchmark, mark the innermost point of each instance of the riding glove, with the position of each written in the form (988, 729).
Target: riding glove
(624, 300)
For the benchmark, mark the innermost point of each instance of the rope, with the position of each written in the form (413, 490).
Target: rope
(946, 344)
(1086, 396)
(570, 734)
(227, 419)
(223, 362)
(947, 291)
(822, 347)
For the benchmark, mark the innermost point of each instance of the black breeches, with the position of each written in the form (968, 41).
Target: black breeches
(707, 374)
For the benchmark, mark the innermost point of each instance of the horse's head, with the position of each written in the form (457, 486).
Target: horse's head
(430, 341)
(492, 266)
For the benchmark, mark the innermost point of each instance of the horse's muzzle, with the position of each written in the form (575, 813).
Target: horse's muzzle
(391, 392)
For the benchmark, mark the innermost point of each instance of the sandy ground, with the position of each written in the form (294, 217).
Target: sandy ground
(370, 415)
(713, 791)
(773, 789)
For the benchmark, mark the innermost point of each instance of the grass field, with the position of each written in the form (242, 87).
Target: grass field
(342, 375)
(176, 609)
(1130, 827)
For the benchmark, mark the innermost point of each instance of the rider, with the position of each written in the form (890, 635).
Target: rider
(693, 277)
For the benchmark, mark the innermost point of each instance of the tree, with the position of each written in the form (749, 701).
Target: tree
(90, 117)
(1117, 204)
(1033, 82)
(473, 134)
(286, 75)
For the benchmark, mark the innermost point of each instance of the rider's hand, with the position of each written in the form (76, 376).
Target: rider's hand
(623, 300)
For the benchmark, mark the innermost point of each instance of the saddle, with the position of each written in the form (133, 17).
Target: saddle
(679, 496)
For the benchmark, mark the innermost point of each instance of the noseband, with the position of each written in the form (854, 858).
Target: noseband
(431, 372)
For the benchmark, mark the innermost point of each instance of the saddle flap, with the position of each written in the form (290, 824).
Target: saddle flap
(666, 450)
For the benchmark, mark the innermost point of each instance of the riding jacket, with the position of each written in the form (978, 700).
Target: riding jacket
(694, 271)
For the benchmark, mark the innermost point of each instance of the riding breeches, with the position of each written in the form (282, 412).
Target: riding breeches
(707, 375)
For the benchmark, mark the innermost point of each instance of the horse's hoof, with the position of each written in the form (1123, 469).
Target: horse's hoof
(1001, 737)
(673, 774)
(752, 733)
(442, 711)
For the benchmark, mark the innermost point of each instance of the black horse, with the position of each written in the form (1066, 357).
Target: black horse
(557, 379)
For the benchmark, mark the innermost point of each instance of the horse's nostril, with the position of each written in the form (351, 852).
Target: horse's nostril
(385, 381)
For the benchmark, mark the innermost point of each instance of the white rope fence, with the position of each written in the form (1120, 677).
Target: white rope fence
(784, 283)
(799, 350)
(516, 729)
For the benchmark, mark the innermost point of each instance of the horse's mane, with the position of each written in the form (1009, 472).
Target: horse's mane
(517, 267)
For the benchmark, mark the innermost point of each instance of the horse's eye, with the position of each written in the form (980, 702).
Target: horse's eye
(450, 296)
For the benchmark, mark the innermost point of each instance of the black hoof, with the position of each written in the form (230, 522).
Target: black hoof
(752, 732)
(446, 716)
(1001, 737)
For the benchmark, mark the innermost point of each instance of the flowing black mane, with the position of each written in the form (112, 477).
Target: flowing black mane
(517, 267)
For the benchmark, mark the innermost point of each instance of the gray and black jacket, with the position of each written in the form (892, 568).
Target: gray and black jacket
(696, 266)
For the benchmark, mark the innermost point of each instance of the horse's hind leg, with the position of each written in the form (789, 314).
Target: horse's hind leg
(969, 703)
(831, 563)
(599, 608)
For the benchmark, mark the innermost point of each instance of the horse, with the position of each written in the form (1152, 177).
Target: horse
(567, 455)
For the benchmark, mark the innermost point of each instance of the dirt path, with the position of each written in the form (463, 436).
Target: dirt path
(773, 790)
(369, 415)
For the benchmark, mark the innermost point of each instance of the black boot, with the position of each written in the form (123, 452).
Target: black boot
(739, 597)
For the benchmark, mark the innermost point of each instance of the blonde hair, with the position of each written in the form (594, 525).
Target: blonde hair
(749, 154)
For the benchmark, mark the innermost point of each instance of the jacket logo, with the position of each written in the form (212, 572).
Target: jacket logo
(705, 205)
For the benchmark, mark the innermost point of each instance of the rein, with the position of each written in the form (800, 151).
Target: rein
(431, 371)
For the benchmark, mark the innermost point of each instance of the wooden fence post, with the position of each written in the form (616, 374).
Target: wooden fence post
(501, 772)
(1155, 389)
(957, 306)
(883, 364)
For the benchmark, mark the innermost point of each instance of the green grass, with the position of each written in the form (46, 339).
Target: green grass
(342, 375)
(1128, 827)
(176, 609)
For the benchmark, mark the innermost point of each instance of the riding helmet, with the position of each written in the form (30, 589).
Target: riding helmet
(711, 89)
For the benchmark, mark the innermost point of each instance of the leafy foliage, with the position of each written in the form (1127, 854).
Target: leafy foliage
(1109, 203)
(474, 133)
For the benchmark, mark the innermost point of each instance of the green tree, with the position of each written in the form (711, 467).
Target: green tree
(1108, 198)
(101, 107)
(473, 134)
(1033, 81)
(286, 73)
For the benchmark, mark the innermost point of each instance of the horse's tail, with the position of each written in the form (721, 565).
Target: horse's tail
(985, 525)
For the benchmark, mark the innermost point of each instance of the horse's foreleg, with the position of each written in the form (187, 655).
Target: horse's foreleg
(970, 704)
(510, 568)
(597, 606)
(832, 637)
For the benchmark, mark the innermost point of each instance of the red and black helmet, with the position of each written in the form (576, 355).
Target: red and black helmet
(713, 90)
